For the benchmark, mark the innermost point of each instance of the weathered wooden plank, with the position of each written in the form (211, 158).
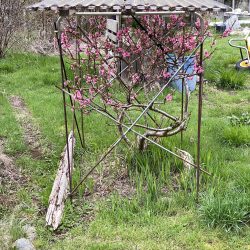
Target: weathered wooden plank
(60, 187)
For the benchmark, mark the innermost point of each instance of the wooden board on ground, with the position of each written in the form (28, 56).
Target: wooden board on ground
(61, 186)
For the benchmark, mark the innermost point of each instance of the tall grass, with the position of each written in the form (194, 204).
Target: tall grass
(229, 78)
(221, 71)
(237, 136)
(228, 208)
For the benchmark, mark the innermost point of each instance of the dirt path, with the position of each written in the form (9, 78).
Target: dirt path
(31, 134)
(10, 178)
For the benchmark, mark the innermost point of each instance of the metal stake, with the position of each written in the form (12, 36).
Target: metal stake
(57, 27)
(199, 114)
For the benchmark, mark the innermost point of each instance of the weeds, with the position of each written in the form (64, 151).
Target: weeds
(230, 79)
(6, 68)
(238, 132)
(221, 69)
(237, 136)
(243, 119)
(11, 229)
(228, 208)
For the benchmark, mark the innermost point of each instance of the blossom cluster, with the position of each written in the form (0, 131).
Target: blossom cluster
(138, 61)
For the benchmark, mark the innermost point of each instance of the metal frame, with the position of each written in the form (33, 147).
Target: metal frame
(144, 111)
(231, 43)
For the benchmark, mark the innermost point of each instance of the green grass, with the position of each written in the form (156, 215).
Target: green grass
(237, 136)
(241, 119)
(230, 80)
(227, 208)
(9, 129)
(162, 214)
(222, 72)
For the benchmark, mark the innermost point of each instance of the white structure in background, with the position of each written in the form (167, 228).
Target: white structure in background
(244, 5)
(240, 14)
(233, 23)
(112, 29)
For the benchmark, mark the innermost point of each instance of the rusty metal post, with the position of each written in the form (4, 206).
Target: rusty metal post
(200, 96)
(182, 108)
(78, 59)
(57, 32)
(64, 76)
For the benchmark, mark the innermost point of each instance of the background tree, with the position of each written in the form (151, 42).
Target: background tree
(11, 19)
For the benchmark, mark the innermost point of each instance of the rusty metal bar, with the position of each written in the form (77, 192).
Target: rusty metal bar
(78, 58)
(71, 101)
(199, 113)
(182, 107)
(57, 28)
(63, 70)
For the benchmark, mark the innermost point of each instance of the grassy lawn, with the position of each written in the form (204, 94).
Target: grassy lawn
(150, 219)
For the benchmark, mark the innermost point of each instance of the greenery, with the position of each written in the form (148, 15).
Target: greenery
(160, 211)
(230, 80)
(227, 208)
(238, 132)
(237, 136)
(222, 71)
(243, 119)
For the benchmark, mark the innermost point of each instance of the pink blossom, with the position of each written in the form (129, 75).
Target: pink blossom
(85, 102)
(166, 74)
(135, 78)
(182, 24)
(173, 18)
(120, 50)
(87, 51)
(100, 65)
(110, 102)
(88, 79)
(78, 95)
(227, 32)
(198, 69)
(91, 91)
(125, 54)
(111, 72)
(169, 98)
(66, 83)
(65, 41)
(94, 80)
(102, 71)
(198, 23)
(207, 54)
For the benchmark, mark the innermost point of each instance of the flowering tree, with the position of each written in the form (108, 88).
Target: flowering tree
(120, 78)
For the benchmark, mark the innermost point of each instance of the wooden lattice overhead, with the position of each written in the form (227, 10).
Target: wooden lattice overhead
(137, 5)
